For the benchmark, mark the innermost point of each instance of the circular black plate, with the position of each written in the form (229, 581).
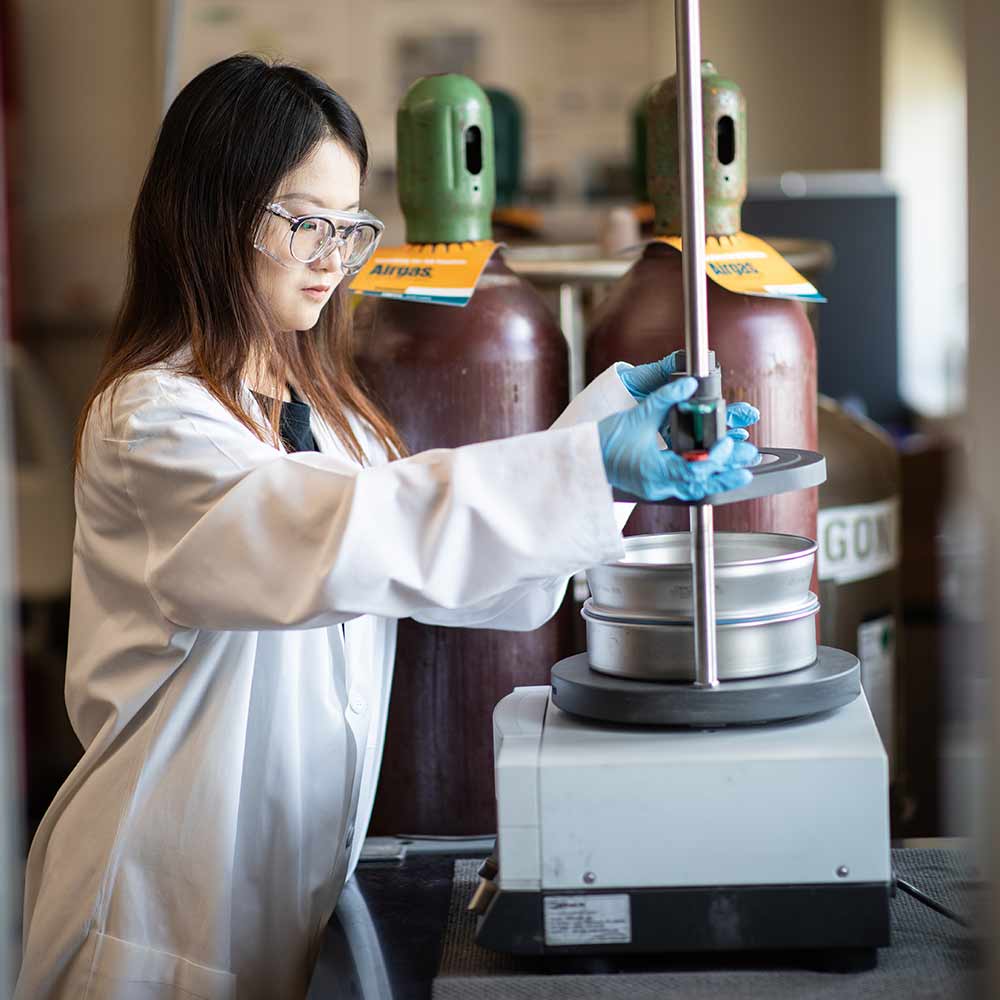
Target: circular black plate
(782, 471)
(832, 681)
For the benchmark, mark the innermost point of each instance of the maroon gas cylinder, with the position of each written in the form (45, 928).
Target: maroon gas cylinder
(767, 353)
(447, 377)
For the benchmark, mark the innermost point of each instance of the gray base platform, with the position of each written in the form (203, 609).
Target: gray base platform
(832, 681)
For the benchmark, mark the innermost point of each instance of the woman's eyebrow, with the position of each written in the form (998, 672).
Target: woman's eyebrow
(312, 200)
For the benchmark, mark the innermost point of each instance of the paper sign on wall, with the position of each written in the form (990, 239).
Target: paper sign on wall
(442, 273)
(746, 264)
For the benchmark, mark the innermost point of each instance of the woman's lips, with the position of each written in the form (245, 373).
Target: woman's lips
(317, 292)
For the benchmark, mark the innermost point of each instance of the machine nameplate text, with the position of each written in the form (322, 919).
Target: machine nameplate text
(575, 920)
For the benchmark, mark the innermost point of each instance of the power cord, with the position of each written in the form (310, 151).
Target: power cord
(922, 897)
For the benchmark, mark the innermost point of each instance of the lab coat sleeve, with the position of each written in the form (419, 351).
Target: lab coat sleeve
(241, 536)
(602, 397)
(531, 605)
(605, 395)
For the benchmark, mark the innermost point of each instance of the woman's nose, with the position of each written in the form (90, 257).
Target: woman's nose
(331, 262)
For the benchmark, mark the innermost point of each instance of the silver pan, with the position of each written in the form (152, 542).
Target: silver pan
(756, 647)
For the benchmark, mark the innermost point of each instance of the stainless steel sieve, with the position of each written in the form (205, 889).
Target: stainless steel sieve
(756, 574)
(664, 650)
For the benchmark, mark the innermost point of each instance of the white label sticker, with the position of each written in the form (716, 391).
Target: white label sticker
(588, 920)
(859, 541)
(877, 653)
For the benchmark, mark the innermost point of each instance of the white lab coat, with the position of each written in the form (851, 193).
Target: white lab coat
(232, 636)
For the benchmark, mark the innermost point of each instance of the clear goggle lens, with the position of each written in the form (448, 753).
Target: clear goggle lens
(316, 238)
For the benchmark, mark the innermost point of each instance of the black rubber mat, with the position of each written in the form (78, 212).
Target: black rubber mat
(930, 956)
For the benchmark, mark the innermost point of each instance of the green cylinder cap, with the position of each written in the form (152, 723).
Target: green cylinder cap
(508, 130)
(724, 117)
(640, 187)
(444, 157)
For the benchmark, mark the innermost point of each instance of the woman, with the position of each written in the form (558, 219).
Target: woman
(241, 555)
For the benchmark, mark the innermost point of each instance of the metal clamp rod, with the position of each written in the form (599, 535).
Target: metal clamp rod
(690, 149)
(706, 659)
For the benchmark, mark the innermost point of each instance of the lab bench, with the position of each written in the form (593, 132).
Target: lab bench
(400, 926)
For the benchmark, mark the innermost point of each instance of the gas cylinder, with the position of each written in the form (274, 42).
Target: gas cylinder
(448, 377)
(507, 135)
(859, 586)
(513, 220)
(765, 346)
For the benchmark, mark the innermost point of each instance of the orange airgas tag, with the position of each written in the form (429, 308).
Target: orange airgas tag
(441, 273)
(748, 265)
(696, 456)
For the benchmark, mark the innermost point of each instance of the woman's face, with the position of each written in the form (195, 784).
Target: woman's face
(329, 179)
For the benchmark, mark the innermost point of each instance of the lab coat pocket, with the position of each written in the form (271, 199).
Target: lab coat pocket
(126, 971)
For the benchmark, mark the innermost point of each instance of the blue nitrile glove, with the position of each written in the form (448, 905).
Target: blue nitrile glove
(644, 379)
(635, 463)
(739, 416)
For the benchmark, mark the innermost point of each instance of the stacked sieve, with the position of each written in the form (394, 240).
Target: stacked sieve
(640, 616)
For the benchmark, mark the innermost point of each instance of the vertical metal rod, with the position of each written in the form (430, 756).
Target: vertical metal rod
(571, 321)
(688, 29)
(706, 663)
(691, 150)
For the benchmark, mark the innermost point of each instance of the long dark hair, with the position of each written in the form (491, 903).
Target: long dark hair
(224, 146)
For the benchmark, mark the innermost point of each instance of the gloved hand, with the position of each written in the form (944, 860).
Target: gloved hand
(635, 463)
(644, 379)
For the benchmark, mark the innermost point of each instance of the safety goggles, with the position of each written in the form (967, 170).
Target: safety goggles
(314, 237)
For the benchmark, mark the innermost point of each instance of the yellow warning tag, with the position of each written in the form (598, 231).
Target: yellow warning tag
(443, 273)
(746, 264)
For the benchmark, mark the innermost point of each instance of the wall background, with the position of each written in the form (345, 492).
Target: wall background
(924, 156)
(92, 96)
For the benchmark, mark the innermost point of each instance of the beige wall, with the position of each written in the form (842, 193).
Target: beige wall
(810, 71)
(85, 127)
(577, 66)
(91, 96)
(924, 157)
